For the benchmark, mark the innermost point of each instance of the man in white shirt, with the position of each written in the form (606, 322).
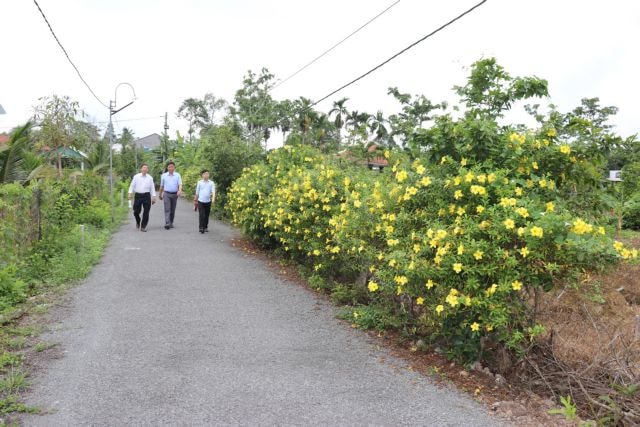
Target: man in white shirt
(170, 189)
(144, 191)
(205, 195)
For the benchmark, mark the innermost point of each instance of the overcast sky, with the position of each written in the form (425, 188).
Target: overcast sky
(169, 50)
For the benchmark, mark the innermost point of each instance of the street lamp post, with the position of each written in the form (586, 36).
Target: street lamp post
(112, 111)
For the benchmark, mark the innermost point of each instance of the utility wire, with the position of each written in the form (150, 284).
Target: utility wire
(67, 55)
(136, 119)
(336, 45)
(401, 52)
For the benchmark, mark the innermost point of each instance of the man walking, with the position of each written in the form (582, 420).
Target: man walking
(170, 189)
(205, 195)
(144, 191)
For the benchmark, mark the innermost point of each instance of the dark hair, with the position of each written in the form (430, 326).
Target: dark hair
(203, 171)
(170, 163)
(143, 164)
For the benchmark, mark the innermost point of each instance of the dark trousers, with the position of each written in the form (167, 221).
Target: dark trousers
(142, 200)
(203, 213)
(170, 202)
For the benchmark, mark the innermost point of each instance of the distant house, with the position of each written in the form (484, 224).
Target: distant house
(149, 142)
(4, 138)
(374, 161)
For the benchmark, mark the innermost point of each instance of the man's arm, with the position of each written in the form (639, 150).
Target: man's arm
(179, 185)
(161, 186)
(133, 180)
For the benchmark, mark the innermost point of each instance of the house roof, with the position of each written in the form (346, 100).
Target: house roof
(149, 141)
(68, 152)
(4, 138)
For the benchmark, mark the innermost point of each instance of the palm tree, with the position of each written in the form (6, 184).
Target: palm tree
(12, 155)
(340, 112)
(356, 123)
(377, 125)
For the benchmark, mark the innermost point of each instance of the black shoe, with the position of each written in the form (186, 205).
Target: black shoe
(137, 226)
(166, 227)
(202, 230)
(206, 230)
(171, 225)
(143, 229)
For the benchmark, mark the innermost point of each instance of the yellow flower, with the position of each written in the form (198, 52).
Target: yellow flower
(534, 165)
(419, 300)
(416, 248)
(524, 252)
(439, 308)
(425, 181)
(537, 232)
(457, 267)
(601, 230)
(457, 195)
(479, 209)
(581, 227)
(509, 224)
(401, 280)
(401, 176)
(516, 285)
(429, 284)
(373, 286)
(551, 133)
(565, 149)
(357, 203)
(522, 212)
(393, 242)
(492, 289)
(463, 162)
(550, 206)
(460, 249)
(478, 189)
(420, 169)
(478, 255)
(475, 326)
(518, 191)
(386, 154)
(316, 252)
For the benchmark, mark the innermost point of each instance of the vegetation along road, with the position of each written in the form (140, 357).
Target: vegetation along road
(176, 327)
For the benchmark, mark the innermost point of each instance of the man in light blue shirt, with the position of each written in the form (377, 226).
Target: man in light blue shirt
(170, 189)
(205, 196)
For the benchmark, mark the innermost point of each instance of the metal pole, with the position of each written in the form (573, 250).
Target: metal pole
(111, 105)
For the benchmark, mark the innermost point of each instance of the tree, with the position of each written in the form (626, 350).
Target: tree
(127, 161)
(378, 126)
(194, 111)
(415, 112)
(490, 90)
(339, 113)
(254, 107)
(56, 118)
(212, 106)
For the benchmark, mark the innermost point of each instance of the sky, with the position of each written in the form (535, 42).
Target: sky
(170, 50)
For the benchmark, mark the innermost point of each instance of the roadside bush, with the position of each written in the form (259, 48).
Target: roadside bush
(97, 213)
(465, 247)
(12, 290)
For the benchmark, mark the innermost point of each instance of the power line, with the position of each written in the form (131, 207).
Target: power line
(401, 52)
(337, 44)
(67, 55)
(136, 119)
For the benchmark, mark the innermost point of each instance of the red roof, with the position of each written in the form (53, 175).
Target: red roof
(4, 138)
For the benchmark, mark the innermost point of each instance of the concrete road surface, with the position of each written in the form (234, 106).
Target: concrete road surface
(174, 327)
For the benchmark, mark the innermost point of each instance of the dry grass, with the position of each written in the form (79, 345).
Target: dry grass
(593, 344)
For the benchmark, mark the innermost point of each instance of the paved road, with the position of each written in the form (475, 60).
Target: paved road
(178, 328)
